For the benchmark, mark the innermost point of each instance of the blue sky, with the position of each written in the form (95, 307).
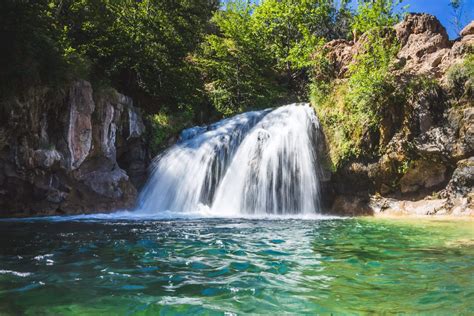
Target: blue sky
(442, 10)
(438, 8)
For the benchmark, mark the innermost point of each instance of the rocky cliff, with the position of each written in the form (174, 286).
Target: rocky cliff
(73, 151)
(424, 162)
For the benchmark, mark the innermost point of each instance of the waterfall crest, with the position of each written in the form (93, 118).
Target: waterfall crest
(261, 162)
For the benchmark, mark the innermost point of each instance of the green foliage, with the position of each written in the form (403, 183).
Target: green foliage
(236, 67)
(163, 125)
(461, 78)
(375, 14)
(292, 29)
(31, 50)
(369, 76)
(142, 47)
(185, 61)
(260, 54)
(351, 109)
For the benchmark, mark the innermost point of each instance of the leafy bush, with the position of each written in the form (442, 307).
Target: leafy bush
(164, 125)
(350, 108)
(461, 78)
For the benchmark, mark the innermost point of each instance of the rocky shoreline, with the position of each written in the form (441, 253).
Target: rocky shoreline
(427, 162)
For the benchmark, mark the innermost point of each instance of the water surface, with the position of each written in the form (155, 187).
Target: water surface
(217, 266)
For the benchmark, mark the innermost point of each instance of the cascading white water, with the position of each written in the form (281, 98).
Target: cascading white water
(261, 162)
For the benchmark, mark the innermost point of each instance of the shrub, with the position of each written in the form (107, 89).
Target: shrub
(163, 126)
(461, 78)
(351, 108)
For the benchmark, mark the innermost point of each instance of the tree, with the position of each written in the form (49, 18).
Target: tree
(32, 51)
(236, 67)
(140, 47)
(292, 29)
(375, 14)
(458, 17)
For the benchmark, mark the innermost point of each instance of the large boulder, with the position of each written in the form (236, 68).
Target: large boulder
(424, 43)
(423, 175)
(468, 30)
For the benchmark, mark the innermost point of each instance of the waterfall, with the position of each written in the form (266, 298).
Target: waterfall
(260, 162)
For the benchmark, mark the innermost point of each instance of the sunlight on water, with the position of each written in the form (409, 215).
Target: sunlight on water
(96, 265)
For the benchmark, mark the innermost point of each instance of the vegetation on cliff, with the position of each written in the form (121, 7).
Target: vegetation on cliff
(193, 61)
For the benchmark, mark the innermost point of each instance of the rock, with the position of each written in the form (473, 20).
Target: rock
(437, 143)
(108, 183)
(425, 48)
(136, 126)
(423, 174)
(414, 150)
(420, 23)
(340, 55)
(463, 206)
(461, 133)
(108, 115)
(354, 175)
(462, 180)
(56, 196)
(96, 154)
(79, 126)
(348, 205)
(393, 207)
(46, 158)
(424, 43)
(468, 30)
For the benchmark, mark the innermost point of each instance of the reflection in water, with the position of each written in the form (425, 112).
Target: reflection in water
(236, 265)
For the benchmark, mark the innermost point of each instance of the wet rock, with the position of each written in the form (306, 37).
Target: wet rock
(108, 183)
(349, 205)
